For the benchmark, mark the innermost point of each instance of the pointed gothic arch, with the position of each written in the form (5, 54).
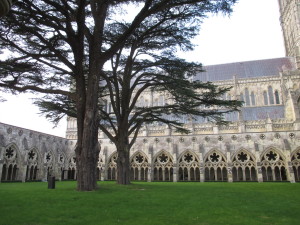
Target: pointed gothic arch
(215, 165)
(163, 166)
(295, 160)
(34, 162)
(11, 163)
(71, 167)
(139, 166)
(273, 165)
(188, 166)
(244, 166)
(112, 166)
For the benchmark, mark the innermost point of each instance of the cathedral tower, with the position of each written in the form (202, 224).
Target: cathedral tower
(290, 23)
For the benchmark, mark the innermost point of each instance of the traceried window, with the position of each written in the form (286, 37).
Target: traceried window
(242, 97)
(252, 98)
(273, 166)
(277, 99)
(215, 167)
(265, 98)
(163, 167)
(271, 96)
(189, 167)
(243, 167)
(247, 97)
(139, 166)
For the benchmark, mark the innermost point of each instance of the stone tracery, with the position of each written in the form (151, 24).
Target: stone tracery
(243, 167)
(215, 167)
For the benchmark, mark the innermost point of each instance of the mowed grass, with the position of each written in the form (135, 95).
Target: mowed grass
(151, 203)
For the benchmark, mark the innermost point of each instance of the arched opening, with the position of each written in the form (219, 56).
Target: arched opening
(206, 174)
(264, 174)
(240, 174)
(283, 173)
(224, 174)
(269, 174)
(192, 174)
(277, 174)
(155, 174)
(247, 174)
(219, 174)
(296, 172)
(113, 174)
(185, 174)
(9, 172)
(253, 174)
(234, 174)
(160, 174)
(212, 174)
(197, 174)
(3, 176)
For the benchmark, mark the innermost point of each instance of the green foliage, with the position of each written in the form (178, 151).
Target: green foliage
(151, 203)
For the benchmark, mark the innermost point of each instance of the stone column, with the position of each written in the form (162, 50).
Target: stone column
(22, 172)
(259, 172)
(229, 167)
(102, 175)
(290, 173)
(175, 178)
(202, 172)
(149, 175)
(229, 173)
(1, 166)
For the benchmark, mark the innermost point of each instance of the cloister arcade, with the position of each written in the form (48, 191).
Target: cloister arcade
(271, 165)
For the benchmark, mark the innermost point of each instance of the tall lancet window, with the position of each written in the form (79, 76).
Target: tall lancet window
(242, 98)
(252, 98)
(277, 99)
(265, 98)
(247, 97)
(271, 96)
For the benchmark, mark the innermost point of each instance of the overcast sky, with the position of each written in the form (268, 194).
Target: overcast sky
(252, 32)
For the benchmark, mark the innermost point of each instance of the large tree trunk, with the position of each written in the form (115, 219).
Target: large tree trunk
(87, 151)
(87, 158)
(123, 163)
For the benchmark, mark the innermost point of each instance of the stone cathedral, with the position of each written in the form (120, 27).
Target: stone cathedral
(262, 142)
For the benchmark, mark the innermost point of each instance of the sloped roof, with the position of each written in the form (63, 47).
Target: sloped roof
(248, 69)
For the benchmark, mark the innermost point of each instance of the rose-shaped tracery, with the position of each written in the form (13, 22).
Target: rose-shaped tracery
(271, 156)
(188, 158)
(243, 157)
(9, 153)
(214, 157)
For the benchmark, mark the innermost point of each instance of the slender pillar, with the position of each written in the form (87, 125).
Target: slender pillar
(149, 175)
(290, 173)
(259, 173)
(201, 172)
(1, 166)
(22, 172)
(175, 174)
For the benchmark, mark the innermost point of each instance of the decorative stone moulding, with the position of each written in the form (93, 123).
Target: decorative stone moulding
(9, 130)
(20, 132)
(292, 135)
(234, 137)
(277, 135)
(262, 136)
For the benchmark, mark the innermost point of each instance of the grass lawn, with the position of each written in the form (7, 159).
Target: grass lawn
(151, 203)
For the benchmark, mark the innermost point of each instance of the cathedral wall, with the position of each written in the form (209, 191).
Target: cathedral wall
(30, 155)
